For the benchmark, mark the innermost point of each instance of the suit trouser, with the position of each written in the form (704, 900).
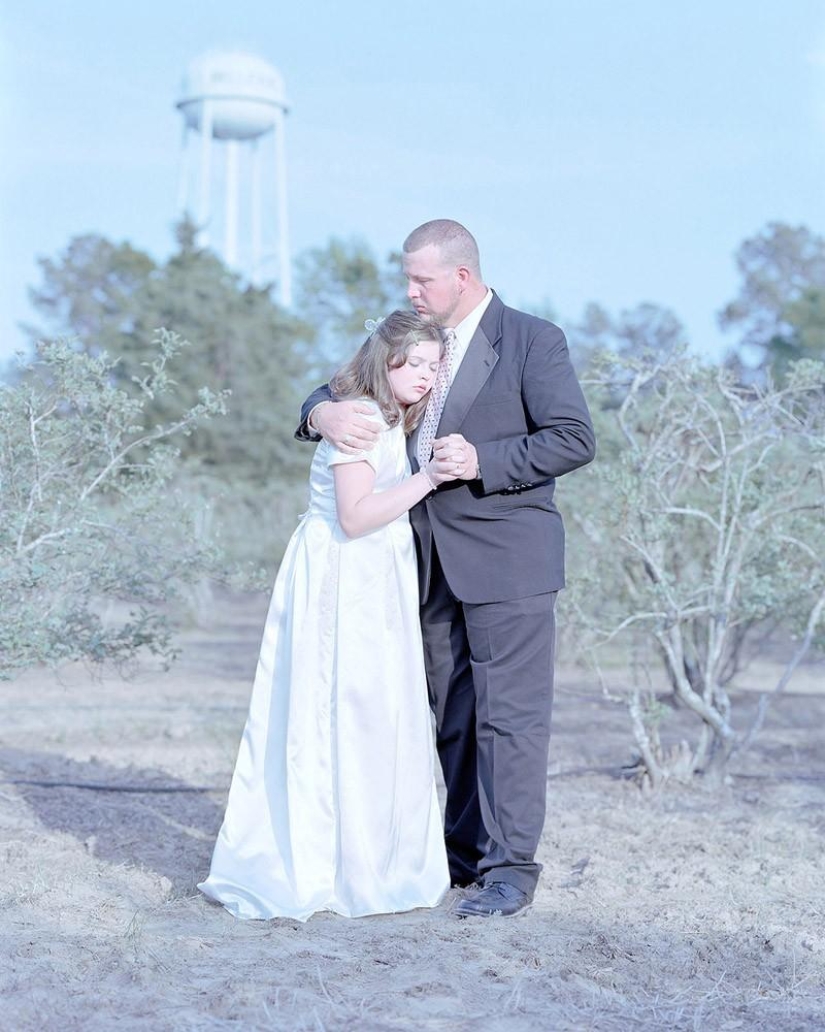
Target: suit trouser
(490, 676)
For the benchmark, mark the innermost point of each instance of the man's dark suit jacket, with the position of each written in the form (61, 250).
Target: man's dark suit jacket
(517, 399)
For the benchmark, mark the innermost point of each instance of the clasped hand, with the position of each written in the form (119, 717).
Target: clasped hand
(348, 427)
(454, 458)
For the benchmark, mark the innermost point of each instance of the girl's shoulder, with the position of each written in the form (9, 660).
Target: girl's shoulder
(376, 414)
(374, 456)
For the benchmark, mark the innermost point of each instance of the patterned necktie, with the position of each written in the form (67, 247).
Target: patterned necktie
(435, 403)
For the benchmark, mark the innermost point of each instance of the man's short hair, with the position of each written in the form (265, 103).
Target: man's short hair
(456, 244)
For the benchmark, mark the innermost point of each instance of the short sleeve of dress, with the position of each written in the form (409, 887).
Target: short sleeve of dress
(371, 455)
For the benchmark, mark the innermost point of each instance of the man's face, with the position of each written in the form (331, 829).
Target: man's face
(432, 285)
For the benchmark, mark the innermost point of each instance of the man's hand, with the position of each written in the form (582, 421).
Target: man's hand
(345, 425)
(454, 454)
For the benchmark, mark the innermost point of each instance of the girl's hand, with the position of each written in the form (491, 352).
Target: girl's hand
(455, 453)
(440, 472)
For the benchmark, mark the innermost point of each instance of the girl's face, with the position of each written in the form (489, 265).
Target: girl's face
(412, 380)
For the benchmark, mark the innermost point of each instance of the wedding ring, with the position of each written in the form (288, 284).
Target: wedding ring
(347, 438)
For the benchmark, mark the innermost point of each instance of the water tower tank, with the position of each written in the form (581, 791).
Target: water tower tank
(244, 92)
(235, 103)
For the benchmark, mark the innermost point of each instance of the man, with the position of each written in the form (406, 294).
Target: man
(491, 555)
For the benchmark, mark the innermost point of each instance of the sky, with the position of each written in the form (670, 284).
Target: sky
(599, 151)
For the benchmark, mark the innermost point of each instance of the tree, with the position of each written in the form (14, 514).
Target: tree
(806, 318)
(338, 287)
(634, 333)
(91, 292)
(783, 273)
(243, 342)
(93, 521)
(702, 519)
(113, 298)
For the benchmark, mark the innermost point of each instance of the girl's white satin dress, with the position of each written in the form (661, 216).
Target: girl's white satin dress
(333, 803)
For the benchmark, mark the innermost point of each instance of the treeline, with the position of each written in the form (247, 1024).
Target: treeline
(149, 445)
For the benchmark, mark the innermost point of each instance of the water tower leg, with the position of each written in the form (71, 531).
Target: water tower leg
(183, 175)
(257, 233)
(284, 269)
(231, 246)
(205, 173)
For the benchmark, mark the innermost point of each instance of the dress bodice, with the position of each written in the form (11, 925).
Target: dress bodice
(388, 458)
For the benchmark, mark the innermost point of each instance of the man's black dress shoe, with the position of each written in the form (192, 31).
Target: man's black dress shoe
(498, 899)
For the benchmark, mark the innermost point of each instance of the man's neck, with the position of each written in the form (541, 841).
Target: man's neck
(470, 299)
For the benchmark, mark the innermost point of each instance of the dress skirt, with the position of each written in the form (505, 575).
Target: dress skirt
(333, 802)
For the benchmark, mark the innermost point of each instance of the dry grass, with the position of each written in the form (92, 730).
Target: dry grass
(691, 910)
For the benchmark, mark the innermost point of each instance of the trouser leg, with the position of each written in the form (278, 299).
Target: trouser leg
(452, 696)
(512, 644)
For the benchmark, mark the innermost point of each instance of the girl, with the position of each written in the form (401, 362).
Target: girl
(332, 804)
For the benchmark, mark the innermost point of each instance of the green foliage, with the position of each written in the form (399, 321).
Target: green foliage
(703, 517)
(338, 287)
(634, 333)
(252, 523)
(806, 319)
(91, 292)
(780, 309)
(113, 298)
(95, 536)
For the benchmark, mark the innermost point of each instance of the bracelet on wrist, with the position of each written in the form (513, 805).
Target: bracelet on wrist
(429, 479)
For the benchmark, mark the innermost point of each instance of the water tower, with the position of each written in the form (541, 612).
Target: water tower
(236, 103)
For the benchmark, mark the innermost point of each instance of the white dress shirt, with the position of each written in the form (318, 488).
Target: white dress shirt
(465, 330)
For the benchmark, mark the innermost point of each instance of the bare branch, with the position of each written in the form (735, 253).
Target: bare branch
(814, 617)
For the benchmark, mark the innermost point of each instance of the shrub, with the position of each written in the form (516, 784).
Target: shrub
(95, 539)
(701, 521)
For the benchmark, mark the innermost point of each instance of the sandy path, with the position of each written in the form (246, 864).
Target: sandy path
(691, 910)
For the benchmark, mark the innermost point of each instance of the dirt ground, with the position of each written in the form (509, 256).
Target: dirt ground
(692, 909)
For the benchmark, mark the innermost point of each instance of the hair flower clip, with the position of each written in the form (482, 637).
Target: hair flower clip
(371, 325)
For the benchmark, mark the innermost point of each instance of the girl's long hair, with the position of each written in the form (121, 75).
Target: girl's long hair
(387, 347)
